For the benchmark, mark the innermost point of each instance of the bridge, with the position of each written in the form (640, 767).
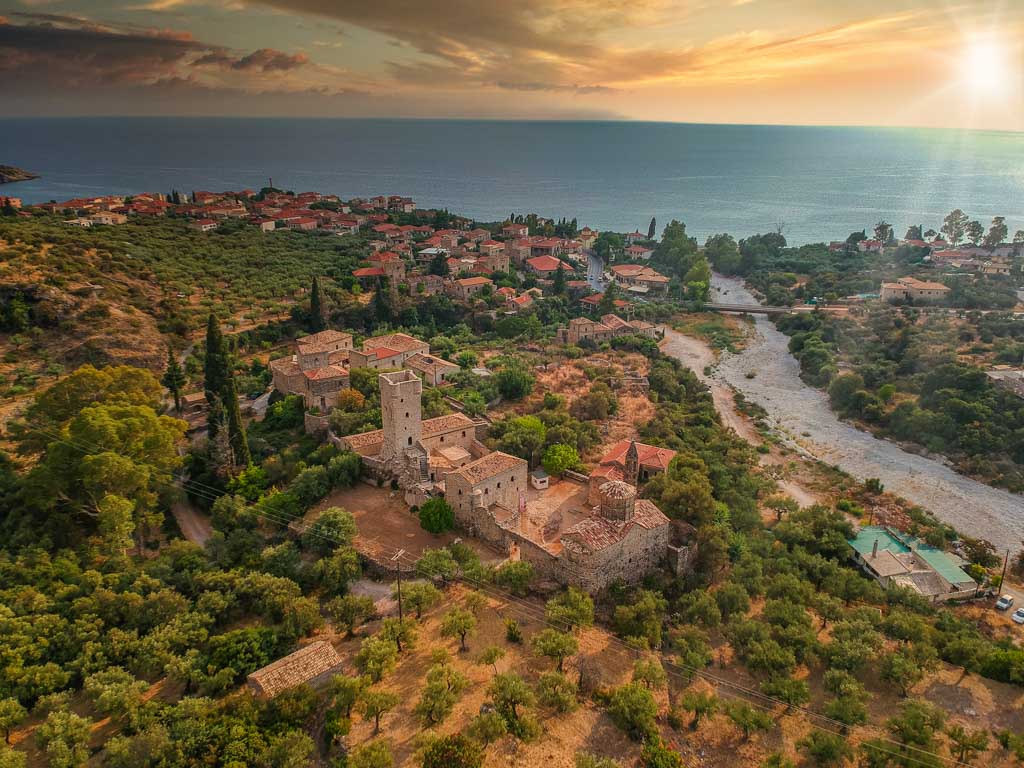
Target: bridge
(755, 309)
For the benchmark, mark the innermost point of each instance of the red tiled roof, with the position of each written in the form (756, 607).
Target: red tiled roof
(545, 263)
(327, 372)
(467, 281)
(649, 455)
(368, 272)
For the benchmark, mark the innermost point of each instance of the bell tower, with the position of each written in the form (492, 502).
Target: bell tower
(632, 464)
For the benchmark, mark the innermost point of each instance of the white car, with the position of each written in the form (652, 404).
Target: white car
(1018, 616)
(1004, 602)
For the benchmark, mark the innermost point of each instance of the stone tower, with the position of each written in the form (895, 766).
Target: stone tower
(632, 464)
(618, 501)
(400, 411)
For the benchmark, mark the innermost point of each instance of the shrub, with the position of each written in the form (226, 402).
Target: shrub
(436, 515)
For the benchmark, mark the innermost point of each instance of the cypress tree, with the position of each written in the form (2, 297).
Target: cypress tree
(316, 308)
(222, 395)
(382, 302)
(236, 427)
(558, 285)
(174, 379)
(651, 228)
(214, 374)
(608, 299)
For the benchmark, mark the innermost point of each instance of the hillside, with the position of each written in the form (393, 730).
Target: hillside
(120, 295)
(9, 174)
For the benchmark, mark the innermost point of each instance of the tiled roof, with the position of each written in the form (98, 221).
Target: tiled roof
(598, 532)
(650, 456)
(368, 272)
(468, 282)
(325, 337)
(488, 466)
(449, 423)
(286, 366)
(325, 373)
(295, 668)
(398, 341)
(363, 439)
(429, 363)
(546, 263)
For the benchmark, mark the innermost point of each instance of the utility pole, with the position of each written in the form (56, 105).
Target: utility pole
(1002, 578)
(397, 559)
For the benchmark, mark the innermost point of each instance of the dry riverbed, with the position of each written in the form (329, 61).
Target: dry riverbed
(800, 416)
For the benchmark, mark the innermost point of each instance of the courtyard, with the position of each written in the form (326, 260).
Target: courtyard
(385, 524)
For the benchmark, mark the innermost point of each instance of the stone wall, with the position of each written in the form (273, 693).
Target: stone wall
(316, 425)
(639, 553)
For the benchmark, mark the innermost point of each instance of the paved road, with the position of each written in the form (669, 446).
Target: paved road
(795, 409)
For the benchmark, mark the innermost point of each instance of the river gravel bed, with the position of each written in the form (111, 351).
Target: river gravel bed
(794, 408)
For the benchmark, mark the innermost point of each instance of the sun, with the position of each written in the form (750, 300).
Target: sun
(984, 67)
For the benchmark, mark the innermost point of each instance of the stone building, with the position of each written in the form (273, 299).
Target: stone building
(494, 480)
(317, 369)
(415, 453)
(306, 666)
(433, 370)
(622, 539)
(629, 461)
(468, 287)
(910, 288)
(610, 326)
(618, 539)
(389, 351)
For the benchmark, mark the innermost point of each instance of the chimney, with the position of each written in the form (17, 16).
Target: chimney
(874, 550)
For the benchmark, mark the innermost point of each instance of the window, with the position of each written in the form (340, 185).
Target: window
(499, 484)
(463, 433)
(410, 439)
(407, 414)
(442, 438)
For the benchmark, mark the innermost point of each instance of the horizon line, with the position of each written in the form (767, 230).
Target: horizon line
(589, 120)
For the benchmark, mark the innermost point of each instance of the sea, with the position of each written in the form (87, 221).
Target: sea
(815, 183)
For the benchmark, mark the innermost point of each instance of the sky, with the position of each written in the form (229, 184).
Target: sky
(848, 62)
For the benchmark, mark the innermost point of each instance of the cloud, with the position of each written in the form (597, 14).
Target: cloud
(469, 43)
(269, 60)
(61, 51)
(555, 88)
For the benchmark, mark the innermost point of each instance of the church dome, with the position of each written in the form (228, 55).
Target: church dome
(617, 490)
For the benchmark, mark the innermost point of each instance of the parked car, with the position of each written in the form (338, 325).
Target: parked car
(1018, 616)
(1004, 602)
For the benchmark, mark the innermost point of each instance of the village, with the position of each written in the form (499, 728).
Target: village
(590, 467)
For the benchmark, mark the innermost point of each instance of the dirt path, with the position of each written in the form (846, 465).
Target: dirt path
(194, 525)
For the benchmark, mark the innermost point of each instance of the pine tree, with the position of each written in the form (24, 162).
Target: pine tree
(652, 228)
(558, 285)
(316, 308)
(174, 379)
